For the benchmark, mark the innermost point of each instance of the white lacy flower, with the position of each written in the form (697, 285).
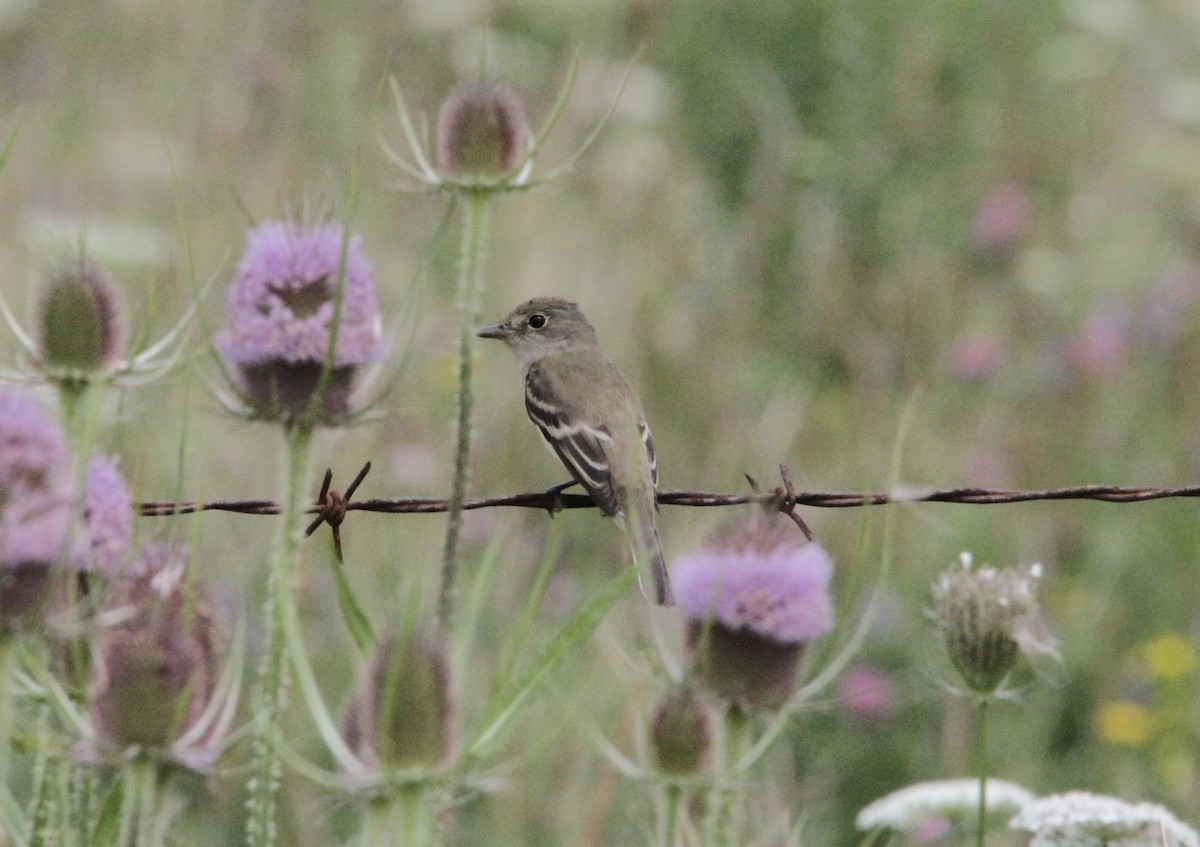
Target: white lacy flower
(1080, 819)
(917, 803)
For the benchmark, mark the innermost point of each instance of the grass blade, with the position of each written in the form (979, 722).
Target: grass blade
(108, 823)
(352, 611)
(505, 704)
(15, 826)
(11, 141)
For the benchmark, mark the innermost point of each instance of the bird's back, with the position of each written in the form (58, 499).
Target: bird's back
(607, 430)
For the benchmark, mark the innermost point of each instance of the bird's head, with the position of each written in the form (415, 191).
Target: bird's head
(542, 326)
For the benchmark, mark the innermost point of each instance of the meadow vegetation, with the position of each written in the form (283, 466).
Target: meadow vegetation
(892, 246)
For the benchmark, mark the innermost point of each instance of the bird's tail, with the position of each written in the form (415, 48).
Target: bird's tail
(647, 551)
(658, 571)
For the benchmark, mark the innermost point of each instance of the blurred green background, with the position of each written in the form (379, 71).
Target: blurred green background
(803, 217)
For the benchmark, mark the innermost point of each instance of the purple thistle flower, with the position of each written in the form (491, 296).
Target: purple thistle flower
(680, 732)
(107, 529)
(403, 712)
(35, 505)
(1101, 346)
(33, 451)
(867, 694)
(753, 600)
(156, 670)
(781, 594)
(482, 132)
(34, 525)
(80, 318)
(281, 306)
(1002, 219)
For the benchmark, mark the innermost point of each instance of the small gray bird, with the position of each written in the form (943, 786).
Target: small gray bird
(591, 418)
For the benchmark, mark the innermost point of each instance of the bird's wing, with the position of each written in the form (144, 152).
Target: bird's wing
(583, 445)
(648, 444)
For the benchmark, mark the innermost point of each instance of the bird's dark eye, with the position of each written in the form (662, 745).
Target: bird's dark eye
(537, 320)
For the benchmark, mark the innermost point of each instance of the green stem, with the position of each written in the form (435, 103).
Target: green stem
(140, 803)
(8, 668)
(670, 809)
(981, 759)
(399, 820)
(43, 804)
(79, 416)
(84, 785)
(725, 815)
(79, 412)
(72, 395)
(473, 250)
(78, 401)
(49, 815)
(270, 694)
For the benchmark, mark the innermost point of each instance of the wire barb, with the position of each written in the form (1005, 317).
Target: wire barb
(555, 494)
(787, 500)
(331, 508)
(782, 499)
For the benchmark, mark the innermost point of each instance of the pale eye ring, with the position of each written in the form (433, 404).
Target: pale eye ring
(537, 321)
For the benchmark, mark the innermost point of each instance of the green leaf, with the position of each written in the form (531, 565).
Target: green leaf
(10, 142)
(356, 619)
(107, 832)
(504, 705)
(15, 825)
(481, 586)
(522, 629)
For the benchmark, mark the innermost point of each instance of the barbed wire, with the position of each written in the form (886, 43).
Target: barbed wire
(553, 502)
(332, 507)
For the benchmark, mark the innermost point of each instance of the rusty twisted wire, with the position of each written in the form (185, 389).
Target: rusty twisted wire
(331, 507)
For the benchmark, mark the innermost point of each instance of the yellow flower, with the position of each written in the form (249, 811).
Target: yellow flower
(1169, 656)
(1123, 722)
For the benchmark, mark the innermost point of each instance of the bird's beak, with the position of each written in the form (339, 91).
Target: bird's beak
(494, 331)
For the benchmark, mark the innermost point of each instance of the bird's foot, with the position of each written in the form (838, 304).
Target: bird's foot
(555, 495)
